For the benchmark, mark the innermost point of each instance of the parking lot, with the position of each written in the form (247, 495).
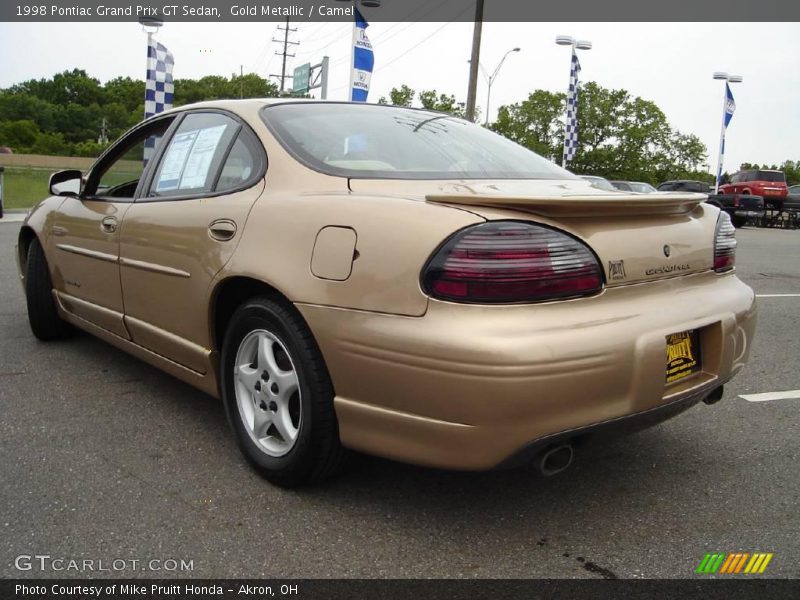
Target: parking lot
(104, 458)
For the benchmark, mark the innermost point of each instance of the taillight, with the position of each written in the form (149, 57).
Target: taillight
(511, 261)
(724, 244)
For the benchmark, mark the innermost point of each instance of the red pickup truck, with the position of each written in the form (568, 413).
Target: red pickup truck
(770, 185)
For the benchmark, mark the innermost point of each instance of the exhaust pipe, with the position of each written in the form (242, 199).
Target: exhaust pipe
(715, 396)
(556, 459)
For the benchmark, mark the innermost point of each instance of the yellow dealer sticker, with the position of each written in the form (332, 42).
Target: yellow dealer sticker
(683, 355)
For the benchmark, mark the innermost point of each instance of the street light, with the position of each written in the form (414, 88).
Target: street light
(566, 40)
(727, 78)
(490, 79)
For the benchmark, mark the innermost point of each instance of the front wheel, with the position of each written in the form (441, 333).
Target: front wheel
(278, 395)
(43, 316)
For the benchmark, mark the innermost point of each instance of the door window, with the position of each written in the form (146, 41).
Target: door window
(117, 174)
(191, 161)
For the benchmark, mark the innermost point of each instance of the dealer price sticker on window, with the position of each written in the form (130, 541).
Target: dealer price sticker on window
(683, 355)
(188, 159)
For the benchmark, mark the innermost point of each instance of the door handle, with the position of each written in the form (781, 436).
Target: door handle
(109, 224)
(222, 230)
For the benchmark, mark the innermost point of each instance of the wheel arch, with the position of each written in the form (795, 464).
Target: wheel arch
(228, 295)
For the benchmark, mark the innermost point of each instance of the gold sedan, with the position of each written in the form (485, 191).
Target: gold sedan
(389, 280)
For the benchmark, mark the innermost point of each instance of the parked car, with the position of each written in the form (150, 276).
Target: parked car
(792, 198)
(685, 185)
(6, 150)
(739, 207)
(601, 183)
(634, 186)
(771, 185)
(390, 280)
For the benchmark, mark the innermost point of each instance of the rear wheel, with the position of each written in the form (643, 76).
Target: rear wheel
(278, 395)
(42, 313)
(738, 220)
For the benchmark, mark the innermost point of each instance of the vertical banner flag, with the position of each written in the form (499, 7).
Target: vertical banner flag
(159, 87)
(363, 60)
(571, 125)
(730, 108)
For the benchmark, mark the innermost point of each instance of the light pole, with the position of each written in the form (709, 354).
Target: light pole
(565, 40)
(490, 79)
(725, 120)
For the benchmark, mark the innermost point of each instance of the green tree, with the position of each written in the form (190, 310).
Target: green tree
(432, 100)
(404, 96)
(620, 136)
(19, 135)
(535, 123)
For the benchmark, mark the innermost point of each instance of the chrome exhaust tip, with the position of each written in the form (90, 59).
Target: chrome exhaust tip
(715, 395)
(555, 460)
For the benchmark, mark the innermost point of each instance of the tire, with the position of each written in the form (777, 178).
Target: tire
(42, 313)
(738, 221)
(278, 395)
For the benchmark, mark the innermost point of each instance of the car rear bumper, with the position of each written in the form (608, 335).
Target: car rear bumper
(468, 387)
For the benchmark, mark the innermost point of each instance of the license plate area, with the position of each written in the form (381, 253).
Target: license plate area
(683, 355)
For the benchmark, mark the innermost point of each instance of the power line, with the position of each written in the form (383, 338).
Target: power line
(419, 43)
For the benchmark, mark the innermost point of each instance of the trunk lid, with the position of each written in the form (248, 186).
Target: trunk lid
(637, 237)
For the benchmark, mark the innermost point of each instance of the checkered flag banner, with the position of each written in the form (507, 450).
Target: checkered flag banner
(159, 87)
(571, 126)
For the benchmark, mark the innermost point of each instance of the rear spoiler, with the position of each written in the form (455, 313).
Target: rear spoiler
(574, 205)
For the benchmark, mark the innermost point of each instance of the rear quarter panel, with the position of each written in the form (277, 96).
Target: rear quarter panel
(394, 239)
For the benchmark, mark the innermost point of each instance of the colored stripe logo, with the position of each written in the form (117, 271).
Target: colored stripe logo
(734, 563)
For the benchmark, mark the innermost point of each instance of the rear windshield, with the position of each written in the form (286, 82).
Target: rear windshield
(374, 141)
(771, 176)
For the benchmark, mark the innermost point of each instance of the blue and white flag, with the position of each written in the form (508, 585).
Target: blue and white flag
(730, 105)
(571, 125)
(730, 108)
(159, 87)
(363, 60)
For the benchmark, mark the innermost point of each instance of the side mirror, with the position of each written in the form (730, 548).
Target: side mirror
(66, 183)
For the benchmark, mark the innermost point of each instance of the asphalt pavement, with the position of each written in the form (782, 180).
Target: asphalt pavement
(104, 458)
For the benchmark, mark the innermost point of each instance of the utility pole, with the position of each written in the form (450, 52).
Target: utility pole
(286, 43)
(103, 137)
(474, 61)
(241, 81)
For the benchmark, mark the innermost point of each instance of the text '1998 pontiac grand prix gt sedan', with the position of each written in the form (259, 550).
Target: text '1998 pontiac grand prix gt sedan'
(389, 280)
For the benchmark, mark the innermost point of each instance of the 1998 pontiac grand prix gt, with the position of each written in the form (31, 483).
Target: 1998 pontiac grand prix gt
(389, 280)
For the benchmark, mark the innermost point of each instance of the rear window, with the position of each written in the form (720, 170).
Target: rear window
(372, 141)
(771, 176)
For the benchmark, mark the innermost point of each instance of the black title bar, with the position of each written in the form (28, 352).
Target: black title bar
(399, 10)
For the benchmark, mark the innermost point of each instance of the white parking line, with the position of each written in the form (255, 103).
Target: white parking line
(777, 295)
(790, 395)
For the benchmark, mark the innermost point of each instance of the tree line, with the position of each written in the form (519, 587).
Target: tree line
(622, 136)
(67, 114)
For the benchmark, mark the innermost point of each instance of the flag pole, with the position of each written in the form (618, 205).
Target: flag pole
(721, 138)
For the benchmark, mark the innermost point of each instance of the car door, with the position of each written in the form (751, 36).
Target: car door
(182, 230)
(84, 236)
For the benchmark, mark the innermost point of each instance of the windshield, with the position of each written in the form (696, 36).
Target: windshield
(372, 141)
(771, 176)
(642, 188)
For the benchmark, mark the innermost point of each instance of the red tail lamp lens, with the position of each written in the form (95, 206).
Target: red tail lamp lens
(511, 261)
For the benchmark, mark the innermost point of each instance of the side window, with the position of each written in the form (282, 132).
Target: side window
(243, 163)
(118, 173)
(192, 159)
